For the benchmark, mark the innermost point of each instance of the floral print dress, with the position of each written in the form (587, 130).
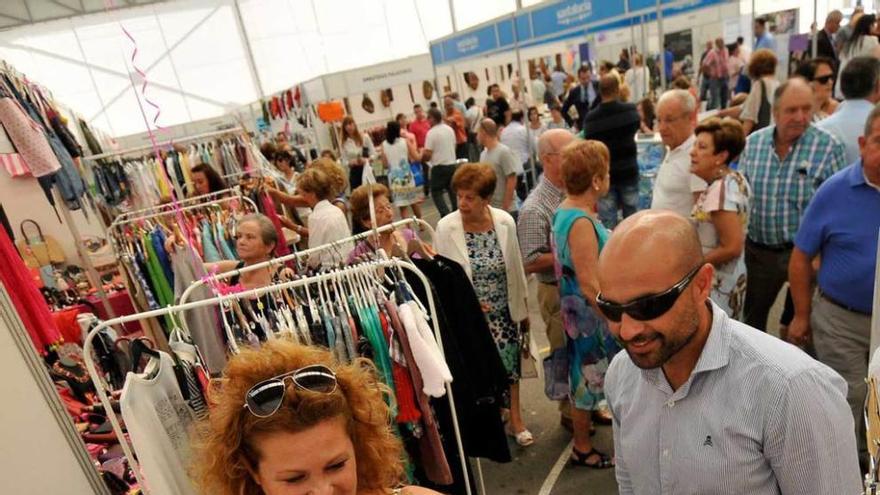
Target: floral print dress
(589, 342)
(489, 277)
(730, 193)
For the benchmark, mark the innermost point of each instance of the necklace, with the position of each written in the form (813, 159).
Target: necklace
(57, 368)
(479, 225)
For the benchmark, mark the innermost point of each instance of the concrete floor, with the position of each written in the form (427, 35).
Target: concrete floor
(541, 469)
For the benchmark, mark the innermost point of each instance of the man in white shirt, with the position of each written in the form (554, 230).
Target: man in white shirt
(703, 403)
(516, 137)
(676, 187)
(439, 153)
(505, 164)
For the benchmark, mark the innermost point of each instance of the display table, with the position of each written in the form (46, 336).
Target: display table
(650, 154)
(119, 301)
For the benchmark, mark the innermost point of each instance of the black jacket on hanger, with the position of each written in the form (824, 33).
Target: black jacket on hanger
(479, 377)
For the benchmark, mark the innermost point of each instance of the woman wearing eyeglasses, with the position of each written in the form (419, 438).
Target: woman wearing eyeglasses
(483, 240)
(721, 212)
(578, 237)
(820, 74)
(361, 222)
(288, 420)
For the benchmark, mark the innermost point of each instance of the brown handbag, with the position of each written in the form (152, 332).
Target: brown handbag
(39, 250)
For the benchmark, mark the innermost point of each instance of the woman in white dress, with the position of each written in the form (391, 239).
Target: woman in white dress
(397, 154)
(721, 213)
(638, 79)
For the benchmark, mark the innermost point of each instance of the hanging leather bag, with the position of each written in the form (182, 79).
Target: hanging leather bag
(39, 250)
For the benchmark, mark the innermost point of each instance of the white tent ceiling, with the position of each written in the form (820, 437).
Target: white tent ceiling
(204, 58)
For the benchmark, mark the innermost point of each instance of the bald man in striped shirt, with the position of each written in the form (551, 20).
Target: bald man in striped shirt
(703, 404)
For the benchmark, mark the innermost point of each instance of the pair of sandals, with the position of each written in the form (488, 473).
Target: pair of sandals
(581, 459)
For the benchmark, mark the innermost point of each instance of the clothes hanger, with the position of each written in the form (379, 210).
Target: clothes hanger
(139, 348)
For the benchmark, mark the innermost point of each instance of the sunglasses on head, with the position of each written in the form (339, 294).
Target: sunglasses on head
(646, 307)
(824, 79)
(265, 398)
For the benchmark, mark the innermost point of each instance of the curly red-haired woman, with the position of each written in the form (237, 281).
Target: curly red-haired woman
(289, 420)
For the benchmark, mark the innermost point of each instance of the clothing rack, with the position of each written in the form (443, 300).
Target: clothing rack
(148, 215)
(122, 220)
(183, 202)
(184, 298)
(101, 386)
(148, 147)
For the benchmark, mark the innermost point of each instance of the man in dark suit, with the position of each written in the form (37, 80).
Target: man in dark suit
(584, 97)
(616, 123)
(824, 41)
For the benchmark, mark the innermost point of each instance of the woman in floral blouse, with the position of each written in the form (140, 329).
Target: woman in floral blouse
(721, 213)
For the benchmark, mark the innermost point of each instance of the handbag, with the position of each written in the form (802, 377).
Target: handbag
(528, 362)
(556, 375)
(415, 169)
(40, 250)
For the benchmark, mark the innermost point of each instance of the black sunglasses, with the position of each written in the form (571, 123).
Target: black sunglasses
(646, 307)
(265, 398)
(824, 79)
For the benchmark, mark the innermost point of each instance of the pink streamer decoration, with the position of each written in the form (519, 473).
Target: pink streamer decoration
(144, 77)
(181, 221)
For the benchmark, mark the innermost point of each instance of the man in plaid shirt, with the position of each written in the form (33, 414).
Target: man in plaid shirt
(785, 163)
(533, 230)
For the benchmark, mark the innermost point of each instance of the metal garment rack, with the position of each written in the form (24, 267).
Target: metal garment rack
(172, 210)
(101, 386)
(150, 147)
(184, 297)
(181, 202)
(167, 144)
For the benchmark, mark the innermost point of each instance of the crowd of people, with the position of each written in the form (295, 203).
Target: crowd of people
(781, 185)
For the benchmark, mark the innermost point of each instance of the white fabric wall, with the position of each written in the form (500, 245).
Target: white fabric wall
(36, 457)
(195, 55)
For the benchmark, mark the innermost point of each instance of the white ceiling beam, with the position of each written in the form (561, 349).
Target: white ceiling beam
(67, 7)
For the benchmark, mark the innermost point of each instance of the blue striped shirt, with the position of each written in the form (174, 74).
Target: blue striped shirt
(781, 190)
(757, 416)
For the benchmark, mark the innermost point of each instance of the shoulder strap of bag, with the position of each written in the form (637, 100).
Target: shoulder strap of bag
(763, 109)
(39, 230)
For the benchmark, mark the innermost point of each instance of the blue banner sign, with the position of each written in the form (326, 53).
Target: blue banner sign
(468, 44)
(549, 23)
(571, 14)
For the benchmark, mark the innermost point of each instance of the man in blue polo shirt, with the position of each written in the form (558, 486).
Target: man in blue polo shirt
(841, 226)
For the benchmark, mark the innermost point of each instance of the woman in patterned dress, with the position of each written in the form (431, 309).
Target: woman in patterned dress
(483, 241)
(721, 213)
(577, 238)
(397, 152)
